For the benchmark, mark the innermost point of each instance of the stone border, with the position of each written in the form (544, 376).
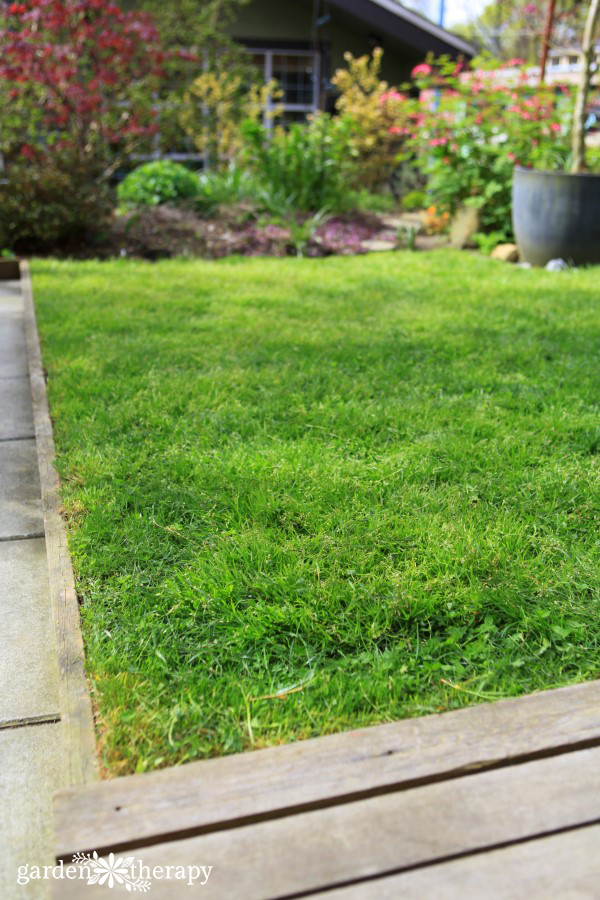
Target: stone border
(79, 762)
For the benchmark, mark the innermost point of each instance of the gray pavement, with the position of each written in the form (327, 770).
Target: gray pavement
(30, 738)
(20, 502)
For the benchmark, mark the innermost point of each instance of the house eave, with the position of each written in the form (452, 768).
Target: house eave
(403, 23)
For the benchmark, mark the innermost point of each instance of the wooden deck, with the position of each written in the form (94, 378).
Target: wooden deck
(501, 800)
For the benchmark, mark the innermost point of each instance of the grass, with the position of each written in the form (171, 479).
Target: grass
(308, 495)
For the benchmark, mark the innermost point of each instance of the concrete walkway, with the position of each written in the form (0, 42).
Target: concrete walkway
(30, 737)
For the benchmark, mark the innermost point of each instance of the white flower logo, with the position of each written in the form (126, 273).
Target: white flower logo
(110, 871)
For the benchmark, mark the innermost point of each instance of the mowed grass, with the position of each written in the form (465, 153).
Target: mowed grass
(310, 495)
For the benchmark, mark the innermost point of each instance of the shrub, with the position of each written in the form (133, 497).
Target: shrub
(306, 167)
(216, 106)
(155, 183)
(77, 79)
(42, 209)
(374, 111)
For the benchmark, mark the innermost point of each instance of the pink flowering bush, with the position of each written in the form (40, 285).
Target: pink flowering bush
(468, 130)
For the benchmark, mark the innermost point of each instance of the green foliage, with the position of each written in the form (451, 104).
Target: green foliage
(407, 237)
(214, 108)
(374, 479)
(414, 200)
(43, 209)
(197, 36)
(302, 229)
(188, 23)
(232, 186)
(487, 241)
(370, 201)
(372, 110)
(307, 167)
(158, 182)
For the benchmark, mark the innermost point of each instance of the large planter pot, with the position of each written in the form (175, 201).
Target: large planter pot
(556, 216)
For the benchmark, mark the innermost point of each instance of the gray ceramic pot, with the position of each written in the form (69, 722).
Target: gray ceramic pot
(556, 215)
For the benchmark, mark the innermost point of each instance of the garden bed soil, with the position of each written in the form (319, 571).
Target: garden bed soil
(162, 232)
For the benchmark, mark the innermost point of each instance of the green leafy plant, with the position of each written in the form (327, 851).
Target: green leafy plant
(307, 167)
(232, 186)
(158, 182)
(414, 200)
(43, 209)
(407, 237)
(372, 201)
(588, 51)
(216, 105)
(302, 229)
(487, 242)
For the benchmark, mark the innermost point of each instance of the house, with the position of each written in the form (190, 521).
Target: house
(563, 68)
(564, 64)
(301, 43)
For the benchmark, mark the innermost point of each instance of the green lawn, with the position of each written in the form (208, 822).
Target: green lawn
(367, 485)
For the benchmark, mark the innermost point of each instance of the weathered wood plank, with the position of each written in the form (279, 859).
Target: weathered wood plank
(314, 850)
(202, 796)
(565, 866)
(75, 705)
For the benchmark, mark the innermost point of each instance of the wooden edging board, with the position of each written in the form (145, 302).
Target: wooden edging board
(233, 791)
(80, 764)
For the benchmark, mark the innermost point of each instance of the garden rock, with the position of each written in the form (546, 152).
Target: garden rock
(556, 265)
(506, 253)
(378, 246)
(464, 224)
(407, 221)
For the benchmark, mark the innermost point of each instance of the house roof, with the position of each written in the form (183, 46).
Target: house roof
(407, 26)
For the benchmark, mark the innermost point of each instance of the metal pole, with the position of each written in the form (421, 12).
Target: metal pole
(442, 15)
(546, 38)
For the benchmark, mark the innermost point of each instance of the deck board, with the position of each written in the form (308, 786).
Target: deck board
(205, 796)
(395, 831)
(565, 866)
(499, 800)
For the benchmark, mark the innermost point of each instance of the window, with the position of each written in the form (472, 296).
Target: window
(297, 72)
